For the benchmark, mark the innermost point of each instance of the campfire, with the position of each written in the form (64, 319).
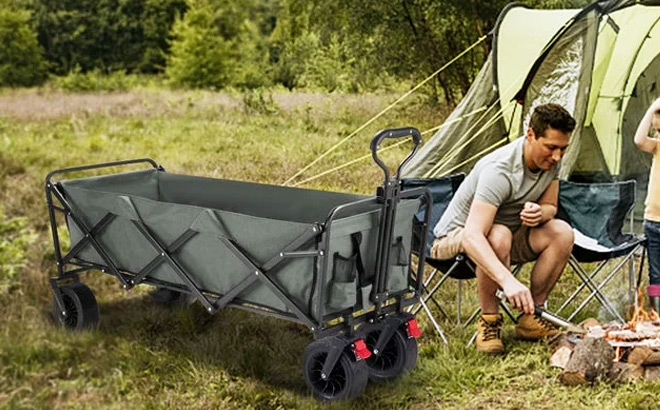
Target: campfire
(620, 353)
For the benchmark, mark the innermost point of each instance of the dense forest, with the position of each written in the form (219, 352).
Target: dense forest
(340, 45)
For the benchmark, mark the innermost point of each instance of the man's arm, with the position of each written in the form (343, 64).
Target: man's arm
(479, 222)
(534, 214)
(642, 139)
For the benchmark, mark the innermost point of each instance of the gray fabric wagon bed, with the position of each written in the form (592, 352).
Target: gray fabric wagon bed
(259, 219)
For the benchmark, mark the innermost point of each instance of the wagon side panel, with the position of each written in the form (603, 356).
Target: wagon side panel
(205, 256)
(343, 289)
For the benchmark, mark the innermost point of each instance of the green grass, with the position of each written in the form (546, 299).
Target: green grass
(146, 356)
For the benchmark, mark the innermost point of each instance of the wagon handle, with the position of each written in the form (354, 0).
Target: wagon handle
(96, 166)
(394, 133)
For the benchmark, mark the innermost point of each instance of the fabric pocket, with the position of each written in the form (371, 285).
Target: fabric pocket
(397, 279)
(365, 294)
(343, 287)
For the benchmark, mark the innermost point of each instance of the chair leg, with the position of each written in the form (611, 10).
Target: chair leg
(472, 339)
(472, 317)
(433, 321)
(429, 294)
(459, 295)
(598, 291)
(437, 305)
(573, 263)
(588, 282)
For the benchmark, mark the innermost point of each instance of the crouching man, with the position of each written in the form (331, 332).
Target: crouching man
(502, 214)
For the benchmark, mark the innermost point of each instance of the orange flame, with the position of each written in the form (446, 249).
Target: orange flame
(640, 314)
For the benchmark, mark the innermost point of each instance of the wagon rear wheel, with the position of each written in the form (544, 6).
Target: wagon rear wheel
(348, 378)
(398, 356)
(80, 307)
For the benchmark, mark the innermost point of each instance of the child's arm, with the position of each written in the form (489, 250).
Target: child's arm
(642, 139)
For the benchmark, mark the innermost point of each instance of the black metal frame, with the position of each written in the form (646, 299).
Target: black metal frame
(385, 304)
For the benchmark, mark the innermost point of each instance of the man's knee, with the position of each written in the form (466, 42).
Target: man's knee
(559, 235)
(563, 232)
(499, 238)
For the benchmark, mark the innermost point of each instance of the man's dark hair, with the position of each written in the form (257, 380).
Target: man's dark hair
(551, 115)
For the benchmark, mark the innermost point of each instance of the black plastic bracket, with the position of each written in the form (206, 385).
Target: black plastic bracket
(333, 357)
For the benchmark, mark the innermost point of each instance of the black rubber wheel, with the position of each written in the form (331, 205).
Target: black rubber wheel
(82, 311)
(398, 357)
(168, 297)
(347, 380)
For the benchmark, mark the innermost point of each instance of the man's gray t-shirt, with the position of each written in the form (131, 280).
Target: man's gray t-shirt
(501, 179)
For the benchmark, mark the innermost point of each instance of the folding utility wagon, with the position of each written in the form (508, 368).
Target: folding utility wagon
(338, 263)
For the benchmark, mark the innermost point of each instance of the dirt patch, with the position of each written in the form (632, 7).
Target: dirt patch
(37, 105)
(48, 105)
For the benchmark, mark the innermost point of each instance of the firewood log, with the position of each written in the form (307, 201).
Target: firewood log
(653, 359)
(652, 373)
(638, 355)
(560, 357)
(590, 361)
(589, 322)
(625, 372)
(559, 341)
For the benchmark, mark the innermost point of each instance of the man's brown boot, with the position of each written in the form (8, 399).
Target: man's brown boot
(489, 334)
(532, 327)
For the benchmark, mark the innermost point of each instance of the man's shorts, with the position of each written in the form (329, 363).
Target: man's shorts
(450, 245)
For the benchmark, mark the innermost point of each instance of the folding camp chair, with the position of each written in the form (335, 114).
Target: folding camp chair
(459, 267)
(597, 212)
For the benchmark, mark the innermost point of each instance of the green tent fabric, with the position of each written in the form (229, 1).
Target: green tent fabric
(602, 63)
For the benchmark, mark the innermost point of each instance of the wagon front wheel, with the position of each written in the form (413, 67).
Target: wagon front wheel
(398, 356)
(348, 378)
(80, 308)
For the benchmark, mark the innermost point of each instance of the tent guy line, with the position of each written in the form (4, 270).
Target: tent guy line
(389, 107)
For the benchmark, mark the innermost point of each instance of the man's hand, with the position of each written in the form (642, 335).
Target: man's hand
(531, 214)
(519, 295)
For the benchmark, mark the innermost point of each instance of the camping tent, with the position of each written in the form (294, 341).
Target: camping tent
(602, 63)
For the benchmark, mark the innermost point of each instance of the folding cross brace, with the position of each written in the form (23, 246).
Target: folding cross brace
(588, 280)
(165, 253)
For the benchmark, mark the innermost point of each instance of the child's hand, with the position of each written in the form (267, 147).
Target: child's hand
(656, 105)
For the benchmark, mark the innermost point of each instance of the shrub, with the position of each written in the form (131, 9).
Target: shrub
(255, 102)
(95, 80)
(219, 43)
(21, 61)
(200, 57)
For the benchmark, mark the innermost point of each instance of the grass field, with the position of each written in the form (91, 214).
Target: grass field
(147, 356)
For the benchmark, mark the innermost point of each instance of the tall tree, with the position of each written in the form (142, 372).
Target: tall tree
(21, 61)
(219, 43)
(109, 35)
